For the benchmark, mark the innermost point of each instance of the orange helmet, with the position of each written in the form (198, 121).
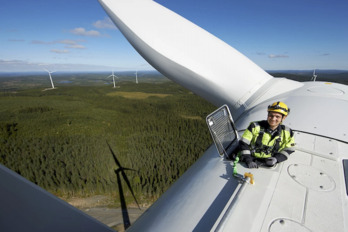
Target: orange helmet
(279, 107)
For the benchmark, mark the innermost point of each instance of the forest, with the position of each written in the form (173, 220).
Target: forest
(58, 138)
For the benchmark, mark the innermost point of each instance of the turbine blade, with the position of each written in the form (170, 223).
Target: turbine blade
(200, 62)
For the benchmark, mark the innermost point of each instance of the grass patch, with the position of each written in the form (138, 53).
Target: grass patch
(192, 117)
(137, 95)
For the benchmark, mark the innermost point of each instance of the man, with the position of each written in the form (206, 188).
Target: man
(268, 142)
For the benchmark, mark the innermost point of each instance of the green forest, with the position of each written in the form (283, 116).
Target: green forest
(58, 138)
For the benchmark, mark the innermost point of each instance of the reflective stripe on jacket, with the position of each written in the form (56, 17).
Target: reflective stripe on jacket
(280, 140)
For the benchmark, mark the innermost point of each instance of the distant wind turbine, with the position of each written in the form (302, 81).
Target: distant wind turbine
(49, 73)
(314, 77)
(113, 78)
(136, 77)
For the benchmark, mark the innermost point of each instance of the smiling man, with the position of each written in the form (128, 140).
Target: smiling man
(268, 142)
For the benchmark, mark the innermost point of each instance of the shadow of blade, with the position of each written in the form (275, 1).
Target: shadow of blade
(128, 183)
(113, 155)
(122, 170)
(125, 216)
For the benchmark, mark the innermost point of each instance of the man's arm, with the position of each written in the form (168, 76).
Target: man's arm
(245, 146)
(287, 147)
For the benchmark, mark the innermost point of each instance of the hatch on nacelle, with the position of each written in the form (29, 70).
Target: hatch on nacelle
(223, 131)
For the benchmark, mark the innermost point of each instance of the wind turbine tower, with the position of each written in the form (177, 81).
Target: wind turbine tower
(314, 76)
(113, 78)
(136, 77)
(49, 73)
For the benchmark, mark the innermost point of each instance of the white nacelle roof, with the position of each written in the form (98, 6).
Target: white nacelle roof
(305, 193)
(317, 107)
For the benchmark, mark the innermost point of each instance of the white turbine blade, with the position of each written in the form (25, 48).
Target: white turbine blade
(191, 56)
(27, 207)
(48, 70)
(112, 75)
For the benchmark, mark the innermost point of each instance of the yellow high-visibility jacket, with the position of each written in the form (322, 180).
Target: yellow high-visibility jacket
(260, 141)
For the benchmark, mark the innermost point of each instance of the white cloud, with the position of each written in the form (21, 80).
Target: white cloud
(72, 43)
(59, 51)
(15, 65)
(76, 46)
(12, 62)
(106, 23)
(274, 56)
(68, 42)
(26, 66)
(82, 31)
(41, 42)
(16, 40)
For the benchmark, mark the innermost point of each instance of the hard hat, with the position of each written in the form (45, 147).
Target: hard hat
(279, 107)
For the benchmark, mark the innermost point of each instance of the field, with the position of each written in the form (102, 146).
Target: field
(59, 138)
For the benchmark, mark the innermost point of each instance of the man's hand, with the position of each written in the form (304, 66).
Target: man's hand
(280, 157)
(252, 165)
(270, 162)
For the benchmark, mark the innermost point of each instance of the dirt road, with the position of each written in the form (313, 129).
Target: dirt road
(100, 207)
(113, 217)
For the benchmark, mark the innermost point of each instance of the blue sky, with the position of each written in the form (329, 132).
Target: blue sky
(77, 35)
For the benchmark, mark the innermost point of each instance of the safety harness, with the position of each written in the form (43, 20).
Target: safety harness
(261, 148)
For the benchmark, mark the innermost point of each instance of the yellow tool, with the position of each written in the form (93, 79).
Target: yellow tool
(251, 176)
